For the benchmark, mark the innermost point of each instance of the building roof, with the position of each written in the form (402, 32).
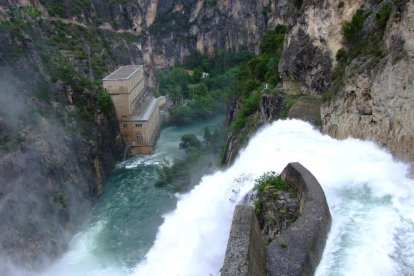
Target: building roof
(144, 111)
(123, 72)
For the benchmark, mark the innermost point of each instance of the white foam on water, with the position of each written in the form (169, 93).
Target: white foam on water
(81, 259)
(369, 195)
(368, 192)
(142, 160)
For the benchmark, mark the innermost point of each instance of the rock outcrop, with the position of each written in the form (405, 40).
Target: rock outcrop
(207, 26)
(377, 103)
(374, 101)
(312, 43)
(58, 136)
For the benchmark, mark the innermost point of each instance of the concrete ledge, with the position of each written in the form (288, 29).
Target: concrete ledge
(299, 248)
(307, 108)
(245, 254)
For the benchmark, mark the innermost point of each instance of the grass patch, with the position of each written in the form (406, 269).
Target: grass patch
(270, 179)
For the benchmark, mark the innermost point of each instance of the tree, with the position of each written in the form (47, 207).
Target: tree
(189, 142)
(352, 30)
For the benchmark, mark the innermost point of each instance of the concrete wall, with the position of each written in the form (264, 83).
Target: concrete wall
(245, 253)
(137, 93)
(126, 92)
(121, 103)
(141, 150)
(298, 249)
(147, 130)
(129, 131)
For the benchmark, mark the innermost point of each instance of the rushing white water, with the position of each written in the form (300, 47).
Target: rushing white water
(370, 197)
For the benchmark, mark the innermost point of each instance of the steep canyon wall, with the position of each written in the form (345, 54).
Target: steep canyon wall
(55, 53)
(376, 103)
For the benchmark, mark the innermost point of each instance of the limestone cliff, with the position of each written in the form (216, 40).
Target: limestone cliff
(377, 103)
(181, 27)
(373, 88)
(55, 52)
(58, 135)
(312, 43)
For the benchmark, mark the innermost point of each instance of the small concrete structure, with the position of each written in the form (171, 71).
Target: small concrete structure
(137, 112)
(307, 108)
(245, 254)
(298, 249)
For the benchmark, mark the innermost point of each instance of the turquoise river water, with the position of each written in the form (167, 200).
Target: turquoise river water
(123, 225)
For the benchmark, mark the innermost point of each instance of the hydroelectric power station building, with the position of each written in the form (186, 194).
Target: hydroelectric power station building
(138, 112)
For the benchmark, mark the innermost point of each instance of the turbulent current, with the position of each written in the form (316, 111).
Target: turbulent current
(141, 230)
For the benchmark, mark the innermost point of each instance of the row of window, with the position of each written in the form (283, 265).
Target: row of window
(136, 125)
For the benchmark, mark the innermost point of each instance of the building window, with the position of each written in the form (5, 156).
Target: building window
(138, 125)
(125, 125)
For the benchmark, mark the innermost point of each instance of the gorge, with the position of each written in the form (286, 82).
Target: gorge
(369, 195)
(59, 139)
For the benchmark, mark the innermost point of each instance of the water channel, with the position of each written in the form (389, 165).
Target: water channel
(123, 225)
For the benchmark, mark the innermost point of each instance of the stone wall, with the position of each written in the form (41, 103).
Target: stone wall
(298, 249)
(245, 254)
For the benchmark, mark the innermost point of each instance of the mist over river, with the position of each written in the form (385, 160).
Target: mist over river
(137, 229)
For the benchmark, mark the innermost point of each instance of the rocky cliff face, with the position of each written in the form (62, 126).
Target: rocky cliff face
(58, 136)
(181, 27)
(374, 98)
(376, 103)
(312, 43)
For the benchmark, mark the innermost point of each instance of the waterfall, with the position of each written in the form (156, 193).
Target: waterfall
(369, 194)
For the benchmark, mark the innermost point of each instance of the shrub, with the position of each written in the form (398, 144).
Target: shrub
(352, 30)
(383, 15)
(272, 41)
(341, 54)
(189, 141)
(104, 101)
(270, 179)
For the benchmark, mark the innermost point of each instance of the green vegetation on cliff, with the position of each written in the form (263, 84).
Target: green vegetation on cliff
(258, 72)
(62, 9)
(276, 205)
(364, 45)
(58, 132)
(64, 56)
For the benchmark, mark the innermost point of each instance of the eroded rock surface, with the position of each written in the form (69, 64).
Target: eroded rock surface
(378, 103)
